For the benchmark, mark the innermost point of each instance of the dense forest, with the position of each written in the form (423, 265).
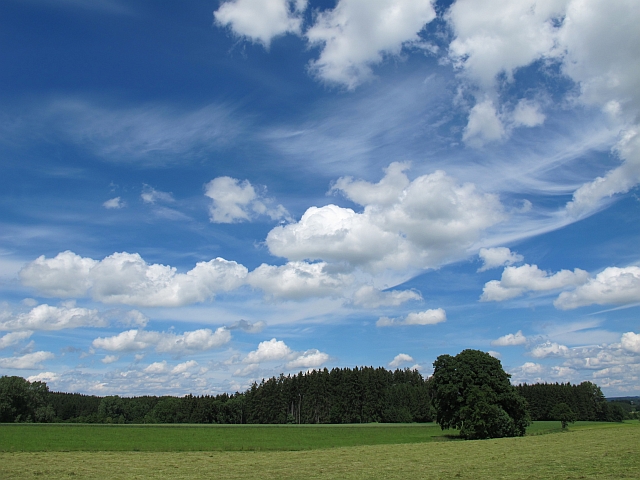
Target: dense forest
(358, 395)
(585, 400)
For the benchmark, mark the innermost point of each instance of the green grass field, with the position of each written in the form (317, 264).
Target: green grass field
(586, 450)
(183, 438)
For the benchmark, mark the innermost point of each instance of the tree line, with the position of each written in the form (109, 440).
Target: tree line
(340, 395)
(585, 400)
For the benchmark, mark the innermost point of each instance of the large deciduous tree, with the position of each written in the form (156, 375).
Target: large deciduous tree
(471, 392)
(23, 401)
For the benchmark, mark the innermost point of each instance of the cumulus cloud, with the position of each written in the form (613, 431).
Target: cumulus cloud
(428, 317)
(276, 350)
(261, 20)
(297, 280)
(527, 113)
(114, 203)
(400, 359)
(615, 366)
(65, 275)
(516, 281)
(26, 362)
(357, 34)
(510, 339)
(497, 257)
(127, 279)
(309, 359)
(14, 338)
(484, 125)
(110, 359)
(495, 37)
(492, 40)
(46, 317)
(44, 377)
(194, 341)
(269, 351)
(404, 225)
(181, 368)
(631, 341)
(613, 285)
(236, 201)
(549, 349)
(158, 368)
(599, 41)
(370, 297)
(593, 41)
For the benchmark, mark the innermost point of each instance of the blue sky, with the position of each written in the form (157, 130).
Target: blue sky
(197, 195)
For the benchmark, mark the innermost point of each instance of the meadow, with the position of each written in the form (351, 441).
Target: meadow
(586, 450)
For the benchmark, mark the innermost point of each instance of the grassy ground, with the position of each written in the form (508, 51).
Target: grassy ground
(184, 438)
(582, 452)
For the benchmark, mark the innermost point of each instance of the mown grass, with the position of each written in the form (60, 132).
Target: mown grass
(583, 452)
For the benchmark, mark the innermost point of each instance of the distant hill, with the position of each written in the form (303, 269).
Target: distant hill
(631, 400)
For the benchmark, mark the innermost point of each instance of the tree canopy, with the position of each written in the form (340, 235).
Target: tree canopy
(471, 392)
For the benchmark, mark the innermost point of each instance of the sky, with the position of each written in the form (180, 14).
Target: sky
(198, 195)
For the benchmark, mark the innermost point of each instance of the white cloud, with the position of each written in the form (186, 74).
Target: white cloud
(236, 201)
(44, 377)
(370, 297)
(26, 362)
(594, 41)
(131, 318)
(126, 278)
(484, 125)
(527, 114)
(181, 368)
(386, 192)
(248, 370)
(549, 349)
(65, 275)
(516, 281)
(110, 359)
(613, 366)
(297, 280)
(358, 34)
(160, 368)
(114, 203)
(269, 351)
(400, 359)
(308, 359)
(156, 367)
(276, 350)
(151, 195)
(495, 37)
(261, 20)
(600, 40)
(497, 257)
(14, 338)
(613, 285)
(248, 327)
(510, 339)
(631, 341)
(46, 317)
(194, 341)
(428, 317)
(619, 180)
(429, 221)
